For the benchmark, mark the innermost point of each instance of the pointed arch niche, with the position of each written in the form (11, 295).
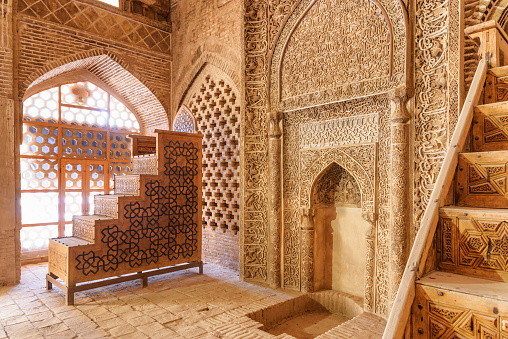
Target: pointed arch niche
(111, 73)
(339, 232)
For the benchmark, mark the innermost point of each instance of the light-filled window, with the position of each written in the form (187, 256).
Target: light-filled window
(75, 140)
(115, 3)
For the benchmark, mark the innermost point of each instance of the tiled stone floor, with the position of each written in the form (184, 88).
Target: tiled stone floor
(176, 305)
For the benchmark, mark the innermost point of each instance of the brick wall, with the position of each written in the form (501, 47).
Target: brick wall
(10, 270)
(221, 247)
(49, 39)
(207, 63)
(205, 31)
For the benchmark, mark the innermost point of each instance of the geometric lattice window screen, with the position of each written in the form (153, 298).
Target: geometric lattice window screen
(184, 121)
(216, 109)
(67, 129)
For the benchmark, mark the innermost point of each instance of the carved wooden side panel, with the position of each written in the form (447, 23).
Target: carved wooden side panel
(491, 130)
(160, 228)
(482, 180)
(473, 243)
(449, 316)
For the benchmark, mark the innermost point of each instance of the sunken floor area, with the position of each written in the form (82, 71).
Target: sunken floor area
(177, 305)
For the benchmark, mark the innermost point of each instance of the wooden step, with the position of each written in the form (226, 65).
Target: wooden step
(127, 184)
(473, 241)
(454, 306)
(107, 205)
(496, 108)
(499, 72)
(145, 164)
(482, 179)
(490, 127)
(83, 226)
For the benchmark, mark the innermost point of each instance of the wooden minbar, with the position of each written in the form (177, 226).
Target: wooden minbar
(150, 226)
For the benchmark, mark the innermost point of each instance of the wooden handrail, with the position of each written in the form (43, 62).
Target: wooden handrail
(401, 309)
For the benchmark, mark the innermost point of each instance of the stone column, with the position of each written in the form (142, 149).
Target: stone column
(399, 188)
(370, 237)
(307, 250)
(274, 199)
(10, 269)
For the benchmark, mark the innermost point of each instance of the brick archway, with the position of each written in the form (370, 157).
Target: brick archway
(115, 73)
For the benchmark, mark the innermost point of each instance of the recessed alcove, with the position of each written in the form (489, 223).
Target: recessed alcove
(340, 249)
(309, 315)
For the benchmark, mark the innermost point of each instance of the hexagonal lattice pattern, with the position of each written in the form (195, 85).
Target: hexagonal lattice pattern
(39, 140)
(217, 112)
(120, 148)
(37, 238)
(71, 121)
(84, 143)
(73, 176)
(39, 174)
(121, 118)
(42, 107)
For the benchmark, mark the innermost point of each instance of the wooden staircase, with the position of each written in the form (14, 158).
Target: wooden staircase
(456, 281)
(152, 221)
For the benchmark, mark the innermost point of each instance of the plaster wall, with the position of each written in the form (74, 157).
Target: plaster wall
(349, 251)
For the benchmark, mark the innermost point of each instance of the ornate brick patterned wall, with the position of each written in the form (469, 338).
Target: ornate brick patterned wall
(214, 102)
(211, 33)
(72, 30)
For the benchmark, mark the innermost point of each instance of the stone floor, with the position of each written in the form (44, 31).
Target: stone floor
(176, 305)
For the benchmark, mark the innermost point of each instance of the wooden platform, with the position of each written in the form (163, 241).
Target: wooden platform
(52, 279)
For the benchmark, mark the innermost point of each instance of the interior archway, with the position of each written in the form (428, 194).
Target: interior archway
(113, 73)
(340, 248)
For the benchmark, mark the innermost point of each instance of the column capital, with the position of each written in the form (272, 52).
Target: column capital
(399, 98)
(274, 118)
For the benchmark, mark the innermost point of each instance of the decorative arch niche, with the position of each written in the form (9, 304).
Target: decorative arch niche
(332, 50)
(340, 246)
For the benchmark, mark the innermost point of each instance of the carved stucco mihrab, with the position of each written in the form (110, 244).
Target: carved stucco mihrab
(363, 158)
(268, 25)
(337, 187)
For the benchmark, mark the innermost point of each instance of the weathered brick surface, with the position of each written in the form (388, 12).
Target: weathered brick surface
(221, 247)
(9, 257)
(205, 31)
(45, 45)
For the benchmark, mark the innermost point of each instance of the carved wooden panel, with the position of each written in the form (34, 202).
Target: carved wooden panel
(491, 130)
(442, 314)
(474, 242)
(482, 180)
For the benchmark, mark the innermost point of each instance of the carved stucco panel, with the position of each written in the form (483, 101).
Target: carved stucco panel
(437, 62)
(312, 26)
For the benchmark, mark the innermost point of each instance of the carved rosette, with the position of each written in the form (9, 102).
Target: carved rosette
(274, 199)
(399, 193)
(307, 251)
